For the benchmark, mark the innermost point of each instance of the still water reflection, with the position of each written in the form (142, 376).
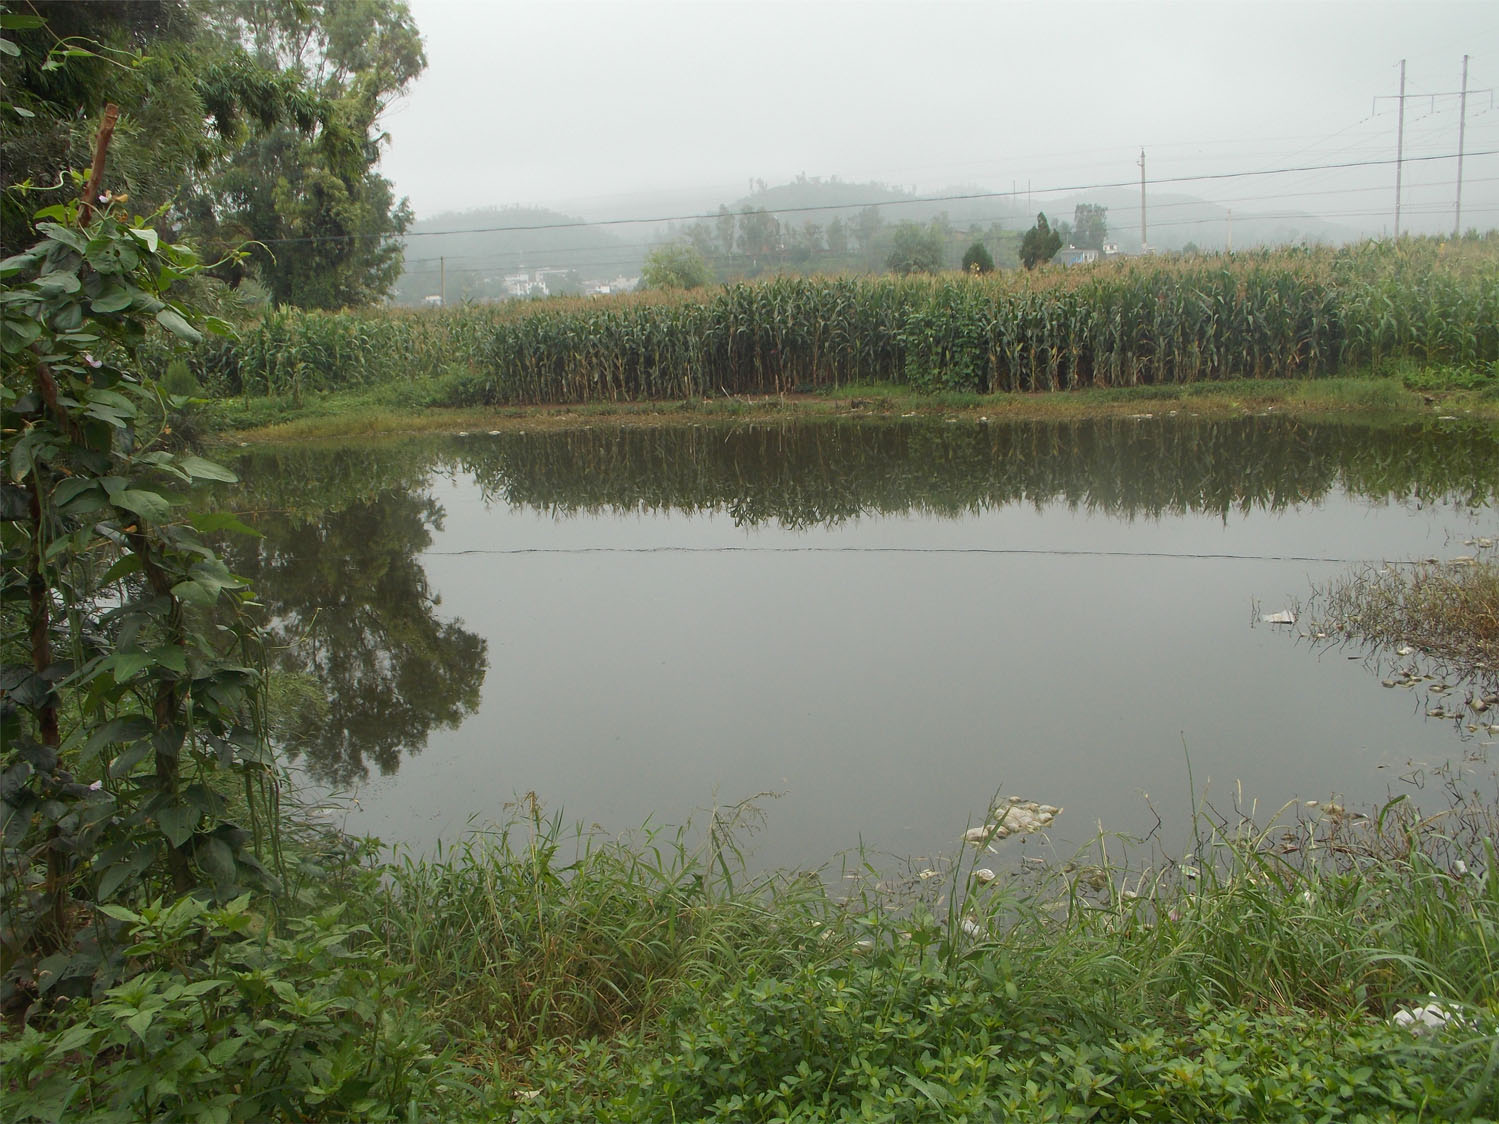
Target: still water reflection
(886, 623)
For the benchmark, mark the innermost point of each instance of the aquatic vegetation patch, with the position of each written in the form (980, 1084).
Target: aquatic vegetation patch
(1446, 610)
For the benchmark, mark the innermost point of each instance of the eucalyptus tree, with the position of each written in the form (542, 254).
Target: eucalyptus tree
(252, 121)
(327, 225)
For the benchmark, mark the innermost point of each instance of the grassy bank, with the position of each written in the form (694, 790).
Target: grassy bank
(558, 979)
(1296, 314)
(1406, 390)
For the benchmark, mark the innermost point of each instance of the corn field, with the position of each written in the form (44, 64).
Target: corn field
(1274, 314)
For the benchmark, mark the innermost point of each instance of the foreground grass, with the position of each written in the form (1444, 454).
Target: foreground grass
(1409, 391)
(532, 976)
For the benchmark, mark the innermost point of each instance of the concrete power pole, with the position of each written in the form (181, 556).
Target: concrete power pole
(442, 284)
(1462, 122)
(1144, 241)
(1399, 150)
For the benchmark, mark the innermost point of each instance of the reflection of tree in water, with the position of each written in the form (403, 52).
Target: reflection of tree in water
(350, 607)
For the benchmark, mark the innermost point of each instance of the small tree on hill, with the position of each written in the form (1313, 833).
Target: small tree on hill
(978, 259)
(1040, 243)
(675, 267)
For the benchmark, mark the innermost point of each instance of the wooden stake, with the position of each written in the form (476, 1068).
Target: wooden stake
(96, 173)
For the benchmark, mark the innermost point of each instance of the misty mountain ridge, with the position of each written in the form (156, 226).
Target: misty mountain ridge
(480, 253)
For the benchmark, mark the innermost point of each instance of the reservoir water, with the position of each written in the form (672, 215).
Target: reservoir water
(883, 624)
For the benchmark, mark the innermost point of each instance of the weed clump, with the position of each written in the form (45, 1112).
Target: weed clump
(1447, 609)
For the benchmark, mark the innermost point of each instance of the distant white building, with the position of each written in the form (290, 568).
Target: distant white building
(432, 300)
(524, 285)
(1071, 255)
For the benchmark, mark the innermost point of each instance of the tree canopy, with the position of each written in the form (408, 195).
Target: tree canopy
(676, 267)
(243, 122)
(978, 259)
(916, 249)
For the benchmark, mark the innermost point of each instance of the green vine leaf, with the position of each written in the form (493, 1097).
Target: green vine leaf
(148, 505)
(199, 469)
(173, 321)
(178, 822)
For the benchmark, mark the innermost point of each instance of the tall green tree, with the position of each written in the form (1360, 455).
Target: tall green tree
(326, 223)
(1040, 243)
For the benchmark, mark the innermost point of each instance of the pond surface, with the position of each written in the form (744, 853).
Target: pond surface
(884, 623)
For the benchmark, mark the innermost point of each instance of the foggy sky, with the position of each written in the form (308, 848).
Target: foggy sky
(632, 107)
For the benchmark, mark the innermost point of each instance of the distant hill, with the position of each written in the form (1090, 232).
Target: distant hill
(819, 226)
(821, 200)
(480, 248)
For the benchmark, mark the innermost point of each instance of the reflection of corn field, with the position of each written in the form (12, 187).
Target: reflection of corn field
(1272, 314)
(806, 475)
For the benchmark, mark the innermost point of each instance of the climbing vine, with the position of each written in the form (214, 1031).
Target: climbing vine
(130, 686)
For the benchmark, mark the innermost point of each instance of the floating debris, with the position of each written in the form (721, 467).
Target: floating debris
(1285, 616)
(984, 874)
(971, 927)
(1404, 650)
(1017, 816)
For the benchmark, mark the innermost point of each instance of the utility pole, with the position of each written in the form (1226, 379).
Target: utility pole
(442, 284)
(1144, 242)
(1399, 150)
(1462, 123)
(1461, 128)
(1230, 230)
